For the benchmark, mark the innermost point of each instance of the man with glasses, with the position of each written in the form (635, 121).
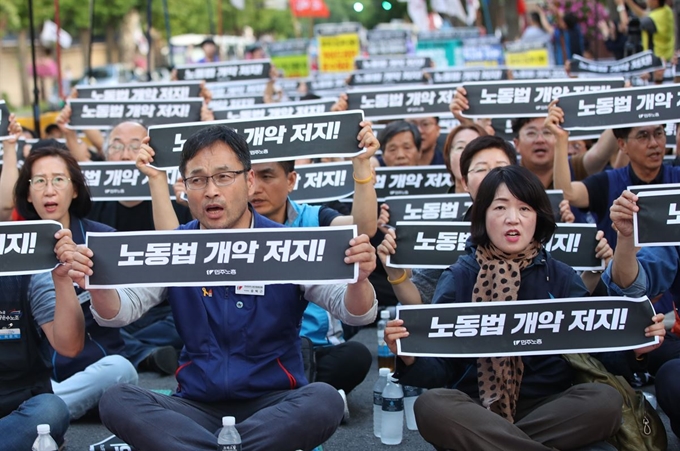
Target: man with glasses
(242, 353)
(431, 145)
(645, 146)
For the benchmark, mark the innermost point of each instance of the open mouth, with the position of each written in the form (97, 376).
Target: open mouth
(213, 210)
(51, 207)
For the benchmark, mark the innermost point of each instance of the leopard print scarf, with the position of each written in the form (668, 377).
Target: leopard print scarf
(499, 378)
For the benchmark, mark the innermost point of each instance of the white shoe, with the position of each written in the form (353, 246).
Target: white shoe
(345, 416)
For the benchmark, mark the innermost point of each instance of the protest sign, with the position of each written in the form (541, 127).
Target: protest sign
(444, 45)
(230, 89)
(526, 98)
(574, 244)
(618, 108)
(120, 181)
(433, 207)
(392, 63)
(639, 63)
(657, 223)
(411, 180)
(387, 42)
(520, 54)
(290, 56)
(271, 138)
(104, 115)
(323, 182)
(401, 102)
(27, 247)
(339, 44)
(429, 244)
(482, 51)
(280, 109)
(235, 102)
(225, 71)
(537, 73)
(532, 327)
(390, 77)
(195, 258)
(462, 75)
(172, 90)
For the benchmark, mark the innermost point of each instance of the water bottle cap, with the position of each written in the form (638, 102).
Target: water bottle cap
(384, 372)
(228, 421)
(384, 314)
(43, 429)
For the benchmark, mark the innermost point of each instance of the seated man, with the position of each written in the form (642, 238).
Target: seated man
(48, 312)
(241, 354)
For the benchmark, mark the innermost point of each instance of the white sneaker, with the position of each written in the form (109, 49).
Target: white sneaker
(345, 416)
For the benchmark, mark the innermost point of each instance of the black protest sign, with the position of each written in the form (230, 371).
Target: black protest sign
(390, 77)
(229, 90)
(574, 244)
(116, 181)
(517, 328)
(394, 63)
(618, 108)
(142, 91)
(288, 47)
(328, 82)
(401, 102)
(102, 115)
(4, 120)
(226, 71)
(526, 98)
(411, 180)
(306, 107)
(387, 42)
(27, 247)
(638, 63)
(657, 223)
(235, 102)
(463, 75)
(221, 257)
(537, 73)
(429, 244)
(323, 182)
(433, 207)
(271, 138)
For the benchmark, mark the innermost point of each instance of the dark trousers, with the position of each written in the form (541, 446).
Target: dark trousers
(153, 330)
(343, 366)
(583, 414)
(285, 420)
(664, 364)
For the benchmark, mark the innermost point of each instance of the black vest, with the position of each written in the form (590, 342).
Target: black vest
(24, 362)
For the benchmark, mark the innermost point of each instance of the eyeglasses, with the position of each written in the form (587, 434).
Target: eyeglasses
(532, 135)
(58, 182)
(119, 147)
(225, 178)
(644, 137)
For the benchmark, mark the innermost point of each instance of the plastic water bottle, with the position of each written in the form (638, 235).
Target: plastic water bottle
(378, 388)
(392, 425)
(385, 356)
(44, 442)
(229, 438)
(410, 396)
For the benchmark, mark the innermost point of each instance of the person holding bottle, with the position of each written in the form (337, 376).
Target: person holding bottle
(509, 403)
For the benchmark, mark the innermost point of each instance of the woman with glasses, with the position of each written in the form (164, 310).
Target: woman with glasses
(509, 403)
(51, 186)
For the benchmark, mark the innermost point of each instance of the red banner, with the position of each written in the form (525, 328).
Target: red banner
(310, 8)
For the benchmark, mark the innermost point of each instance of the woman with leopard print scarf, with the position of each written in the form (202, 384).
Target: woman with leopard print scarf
(508, 403)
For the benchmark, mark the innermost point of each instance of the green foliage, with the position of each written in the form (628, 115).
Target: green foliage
(9, 15)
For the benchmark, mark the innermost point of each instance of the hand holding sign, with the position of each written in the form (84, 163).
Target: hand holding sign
(554, 123)
(459, 103)
(80, 263)
(657, 329)
(367, 141)
(622, 211)
(394, 331)
(144, 160)
(65, 248)
(361, 251)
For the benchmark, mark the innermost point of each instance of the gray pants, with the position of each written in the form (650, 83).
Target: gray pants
(285, 420)
(581, 415)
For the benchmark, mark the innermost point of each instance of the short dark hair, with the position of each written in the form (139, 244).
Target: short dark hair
(207, 137)
(482, 143)
(525, 186)
(448, 144)
(51, 127)
(50, 142)
(520, 122)
(396, 127)
(80, 206)
(622, 133)
(288, 166)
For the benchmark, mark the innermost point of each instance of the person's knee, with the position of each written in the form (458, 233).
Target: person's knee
(118, 370)
(51, 409)
(116, 400)
(667, 389)
(326, 403)
(604, 406)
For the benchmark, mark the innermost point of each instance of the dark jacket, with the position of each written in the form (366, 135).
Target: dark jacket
(545, 278)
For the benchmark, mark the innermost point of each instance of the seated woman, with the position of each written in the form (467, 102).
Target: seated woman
(508, 403)
(51, 185)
